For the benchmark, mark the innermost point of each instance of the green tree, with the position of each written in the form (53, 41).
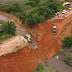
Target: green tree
(8, 28)
(67, 42)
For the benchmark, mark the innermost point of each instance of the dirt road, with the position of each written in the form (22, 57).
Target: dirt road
(49, 45)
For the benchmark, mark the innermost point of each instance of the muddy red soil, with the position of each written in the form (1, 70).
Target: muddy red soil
(26, 60)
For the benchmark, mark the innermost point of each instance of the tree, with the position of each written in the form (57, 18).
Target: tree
(15, 7)
(67, 42)
(8, 28)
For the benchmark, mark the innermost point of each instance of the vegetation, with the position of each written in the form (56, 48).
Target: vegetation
(67, 42)
(43, 68)
(33, 11)
(7, 30)
(68, 0)
(18, 48)
(68, 61)
(67, 50)
(25, 37)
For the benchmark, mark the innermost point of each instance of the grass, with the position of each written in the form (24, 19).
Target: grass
(18, 48)
(43, 68)
(66, 56)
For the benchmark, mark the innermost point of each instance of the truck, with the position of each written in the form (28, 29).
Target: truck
(54, 29)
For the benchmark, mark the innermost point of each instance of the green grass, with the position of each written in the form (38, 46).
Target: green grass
(5, 37)
(18, 48)
(43, 68)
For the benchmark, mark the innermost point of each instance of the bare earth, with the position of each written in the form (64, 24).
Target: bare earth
(8, 45)
(49, 45)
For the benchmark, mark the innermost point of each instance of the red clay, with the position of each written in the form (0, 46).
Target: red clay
(25, 60)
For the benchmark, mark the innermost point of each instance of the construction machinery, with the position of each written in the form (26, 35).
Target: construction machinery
(54, 29)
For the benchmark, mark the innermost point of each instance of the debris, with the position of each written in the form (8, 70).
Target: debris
(29, 37)
(22, 29)
(36, 47)
(57, 57)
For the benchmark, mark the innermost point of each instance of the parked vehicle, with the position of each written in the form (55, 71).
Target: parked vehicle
(54, 29)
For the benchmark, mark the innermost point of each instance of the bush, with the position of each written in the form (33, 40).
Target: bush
(4, 36)
(25, 37)
(39, 10)
(63, 52)
(15, 7)
(33, 19)
(68, 60)
(43, 68)
(21, 15)
(67, 42)
(7, 30)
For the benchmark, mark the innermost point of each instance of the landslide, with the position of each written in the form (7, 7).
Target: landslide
(26, 60)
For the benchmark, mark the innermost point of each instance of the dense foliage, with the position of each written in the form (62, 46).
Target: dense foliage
(68, 61)
(34, 11)
(7, 30)
(67, 50)
(43, 68)
(67, 42)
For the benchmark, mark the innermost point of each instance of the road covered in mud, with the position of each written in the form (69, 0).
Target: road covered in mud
(27, 59)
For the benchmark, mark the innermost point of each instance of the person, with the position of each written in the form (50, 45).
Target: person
(23, 41)
(52, 23)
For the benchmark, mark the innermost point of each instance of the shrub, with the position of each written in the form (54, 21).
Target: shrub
(67, 42)
(15, 7)
(68, 60)
(8, 28)
(21, 15)
(63, 52)
(33, 19)
(43, 68)
(25, 37)
(34, 11)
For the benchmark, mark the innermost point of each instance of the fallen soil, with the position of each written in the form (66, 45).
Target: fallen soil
(27, 59)
(9, 45)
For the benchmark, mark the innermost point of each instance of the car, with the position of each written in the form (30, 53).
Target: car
(64, 11)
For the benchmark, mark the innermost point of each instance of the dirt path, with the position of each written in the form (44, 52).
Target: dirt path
(19, 28)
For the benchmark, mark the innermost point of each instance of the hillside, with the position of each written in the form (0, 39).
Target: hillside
(26, 60)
